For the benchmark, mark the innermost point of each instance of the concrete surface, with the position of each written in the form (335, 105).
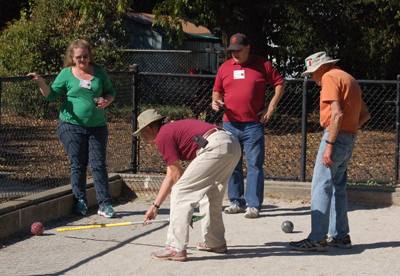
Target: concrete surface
(257, 246)
(17, 215)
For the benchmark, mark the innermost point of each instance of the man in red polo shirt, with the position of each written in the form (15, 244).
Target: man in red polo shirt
(239, 88)
(214, 154)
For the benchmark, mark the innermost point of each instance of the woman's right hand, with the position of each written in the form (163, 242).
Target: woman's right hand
(35, 76)
(44, 89)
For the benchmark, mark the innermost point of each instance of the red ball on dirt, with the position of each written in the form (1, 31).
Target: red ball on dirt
(37, 228)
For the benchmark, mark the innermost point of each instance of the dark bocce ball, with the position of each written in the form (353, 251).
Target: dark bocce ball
(287, 226)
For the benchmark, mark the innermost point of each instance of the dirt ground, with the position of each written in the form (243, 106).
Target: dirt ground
(33, 157)
(373, 157)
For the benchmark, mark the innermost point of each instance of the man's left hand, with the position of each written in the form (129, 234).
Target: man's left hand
(265, 116)
(326, 158)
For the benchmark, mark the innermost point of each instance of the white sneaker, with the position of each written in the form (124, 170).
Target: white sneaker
(252, 212)
(233, 209)
(106, 211)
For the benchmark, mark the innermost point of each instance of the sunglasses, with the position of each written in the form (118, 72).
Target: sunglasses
(82, 57)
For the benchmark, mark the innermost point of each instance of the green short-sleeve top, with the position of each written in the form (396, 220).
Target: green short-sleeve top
(79, 107)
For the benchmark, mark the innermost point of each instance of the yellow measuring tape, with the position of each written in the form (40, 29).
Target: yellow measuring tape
(103, 225)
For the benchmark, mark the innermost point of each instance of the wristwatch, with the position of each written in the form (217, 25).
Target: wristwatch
(329, 142)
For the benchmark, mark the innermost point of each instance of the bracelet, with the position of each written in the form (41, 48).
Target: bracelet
(329, 142)
(155, 205)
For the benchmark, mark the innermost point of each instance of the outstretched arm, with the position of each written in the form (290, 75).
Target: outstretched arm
(43, 87)
(174, 172)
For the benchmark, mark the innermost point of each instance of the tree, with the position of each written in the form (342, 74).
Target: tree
(10, 10)
(38, 40)
(364, 34)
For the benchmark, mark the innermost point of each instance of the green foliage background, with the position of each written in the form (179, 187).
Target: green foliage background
(38, 40)
(364, 34)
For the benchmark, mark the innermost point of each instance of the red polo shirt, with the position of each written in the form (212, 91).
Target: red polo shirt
(175, 140)
(243, 87)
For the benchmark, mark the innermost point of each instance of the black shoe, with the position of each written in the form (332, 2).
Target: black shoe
(341, 243)
(309, 245)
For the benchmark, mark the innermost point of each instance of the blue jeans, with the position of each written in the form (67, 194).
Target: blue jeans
(251, 139)
(329, 196)
(84, 144)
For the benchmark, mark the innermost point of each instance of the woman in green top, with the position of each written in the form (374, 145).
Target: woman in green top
(83, 128)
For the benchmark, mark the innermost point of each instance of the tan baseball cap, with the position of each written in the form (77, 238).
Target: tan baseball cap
(315, 61)
(146, 118)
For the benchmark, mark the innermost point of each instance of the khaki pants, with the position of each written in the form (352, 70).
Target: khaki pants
(204, 181)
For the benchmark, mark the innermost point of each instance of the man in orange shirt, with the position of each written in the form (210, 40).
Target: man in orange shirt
(342, 113)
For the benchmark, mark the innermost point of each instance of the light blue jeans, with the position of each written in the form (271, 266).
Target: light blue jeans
(329, 196)
(251, 139)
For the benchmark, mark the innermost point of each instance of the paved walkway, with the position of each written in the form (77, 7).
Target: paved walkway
(257, 246)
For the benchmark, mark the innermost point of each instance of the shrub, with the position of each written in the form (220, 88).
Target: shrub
(171, 111)
(38, 40)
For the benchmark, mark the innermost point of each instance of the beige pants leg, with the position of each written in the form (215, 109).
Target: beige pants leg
(212, 225)
(208, 175)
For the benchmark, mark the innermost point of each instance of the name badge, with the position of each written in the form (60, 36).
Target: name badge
(238, 74)
(85, 84)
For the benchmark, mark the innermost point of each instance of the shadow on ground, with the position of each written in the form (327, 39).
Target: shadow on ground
(102, 253)
(282, 249)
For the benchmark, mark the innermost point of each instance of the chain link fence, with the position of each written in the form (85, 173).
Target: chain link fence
(293, 134)
(374, 157)
(31, 157)
(174, 61)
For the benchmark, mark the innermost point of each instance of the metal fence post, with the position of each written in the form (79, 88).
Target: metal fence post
(303, 159)
(134, 150)
(396, 162)
(1, 103)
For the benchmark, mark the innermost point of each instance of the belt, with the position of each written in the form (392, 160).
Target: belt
(211, 131)
(343, 132)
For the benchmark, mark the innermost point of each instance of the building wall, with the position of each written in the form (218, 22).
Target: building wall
(203, 58)
(142, 36)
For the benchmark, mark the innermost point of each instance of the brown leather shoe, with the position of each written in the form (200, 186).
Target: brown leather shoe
(202, 246)
(170, 254)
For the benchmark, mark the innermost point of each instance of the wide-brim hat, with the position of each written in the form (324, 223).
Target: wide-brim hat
(146, 118)
(313, 62)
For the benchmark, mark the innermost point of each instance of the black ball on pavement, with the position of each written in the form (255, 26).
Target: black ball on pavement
(287, 226)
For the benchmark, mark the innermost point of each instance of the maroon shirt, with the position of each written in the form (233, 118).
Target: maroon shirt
(243, 87)
(175, 140)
